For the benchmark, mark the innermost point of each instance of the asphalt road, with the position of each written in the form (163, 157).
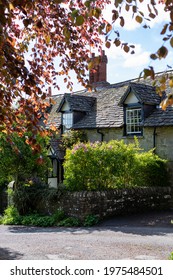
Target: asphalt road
(142, 236)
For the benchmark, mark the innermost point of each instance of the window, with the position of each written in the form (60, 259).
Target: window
(133, 121)
(67, 121)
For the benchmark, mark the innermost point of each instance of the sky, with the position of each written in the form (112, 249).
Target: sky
(124, 66)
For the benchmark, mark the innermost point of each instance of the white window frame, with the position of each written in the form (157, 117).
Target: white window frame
(133, 121)
(67, 121)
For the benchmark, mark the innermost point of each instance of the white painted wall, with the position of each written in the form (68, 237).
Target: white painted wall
(65, 107)
(131, 98)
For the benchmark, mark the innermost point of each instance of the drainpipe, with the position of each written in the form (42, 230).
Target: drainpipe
(101, 133)
(154, 139)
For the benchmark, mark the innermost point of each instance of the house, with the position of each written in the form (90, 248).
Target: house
(114, 111)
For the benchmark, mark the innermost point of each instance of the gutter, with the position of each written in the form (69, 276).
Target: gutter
(101, 133)
(154, 139)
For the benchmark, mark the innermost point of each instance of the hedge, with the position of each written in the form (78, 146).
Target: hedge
(97, 166)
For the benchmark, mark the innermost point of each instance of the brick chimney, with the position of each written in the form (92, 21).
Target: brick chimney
(99, 73)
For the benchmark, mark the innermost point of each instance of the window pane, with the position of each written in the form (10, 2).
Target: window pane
(67, 121)
(133, 120)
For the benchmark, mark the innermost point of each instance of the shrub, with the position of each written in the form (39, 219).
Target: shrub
(91, 220)
(58, 216)
(150, 170)
(11, 216)
(171, 256)
(28, 197)
(43, 221)
(37, 220)
(69, 222)
(110, 165)
(18, 162)
(73, 137)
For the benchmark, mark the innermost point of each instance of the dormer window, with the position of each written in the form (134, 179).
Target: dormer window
(73, 109)
(138, 101)
(67, 121)
(133, 121)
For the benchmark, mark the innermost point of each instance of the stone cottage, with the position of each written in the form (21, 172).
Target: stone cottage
(114, 111)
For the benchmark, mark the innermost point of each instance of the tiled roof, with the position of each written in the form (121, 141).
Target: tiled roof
(145, 93)
(57, 146)
(102, 107)
(77, 102)
(105, 112)
(160, 118)
(54, 118)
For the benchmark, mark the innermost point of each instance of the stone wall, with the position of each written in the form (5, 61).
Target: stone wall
(112, 202)
(108, 134)
(164, 142)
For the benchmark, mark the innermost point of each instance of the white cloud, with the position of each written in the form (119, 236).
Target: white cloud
(124, 66)
(127, 60)
(140, 58)
(114, 52)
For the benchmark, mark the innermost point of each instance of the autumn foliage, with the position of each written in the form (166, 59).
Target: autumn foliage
(48, 30)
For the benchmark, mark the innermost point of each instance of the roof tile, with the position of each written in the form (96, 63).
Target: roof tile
(102, 107)
(160, 118)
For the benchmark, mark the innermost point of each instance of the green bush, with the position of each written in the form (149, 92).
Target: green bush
(58, 216)
(69, 222)
(43, 221)
(36, 220)
(171, 256)
(11, 216)
(112, 165)
(18, 162)
(150, 170)
(72, 137)
(28, 197)
(91, 220)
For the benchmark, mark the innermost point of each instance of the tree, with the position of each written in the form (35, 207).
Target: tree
(18, 160)
(54, 29)
(66, 29)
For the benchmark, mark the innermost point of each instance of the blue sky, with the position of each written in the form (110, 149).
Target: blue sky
(123, 66)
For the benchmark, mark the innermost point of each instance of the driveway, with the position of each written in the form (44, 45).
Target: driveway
(142, 236)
